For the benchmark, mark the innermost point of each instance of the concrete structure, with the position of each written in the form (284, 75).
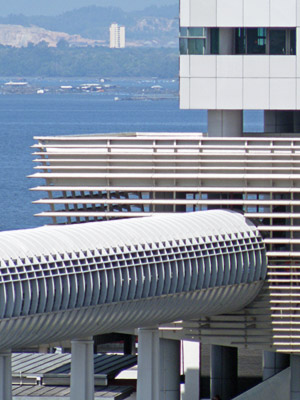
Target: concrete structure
(72, 282)
(117, 176)
(102, 277)
(116, 36)
(238, 55)
(159, 367)
(244, 55)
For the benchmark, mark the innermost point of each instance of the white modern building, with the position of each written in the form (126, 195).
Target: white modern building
(116, 36)
(235, 55)
(241, 55)
(77, 281)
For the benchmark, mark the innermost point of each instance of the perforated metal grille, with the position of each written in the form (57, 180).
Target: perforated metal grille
(177, 254)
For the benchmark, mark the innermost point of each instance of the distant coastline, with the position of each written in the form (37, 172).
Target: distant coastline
(43, 61)
(117, 89)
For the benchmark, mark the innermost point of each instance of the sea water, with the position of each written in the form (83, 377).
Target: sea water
(24, 116)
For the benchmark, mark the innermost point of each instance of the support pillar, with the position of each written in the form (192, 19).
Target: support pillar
(223, 376)
(191, 364)
(169, 369)
(295, 381)
(82, 369)
(148, 365)
(273, 363)
(158, 367)
(226, 41)
(5, 376)
(225, 123)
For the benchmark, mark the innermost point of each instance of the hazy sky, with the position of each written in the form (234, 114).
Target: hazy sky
(54, 7)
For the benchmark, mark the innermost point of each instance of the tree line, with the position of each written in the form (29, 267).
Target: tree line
(64, 61)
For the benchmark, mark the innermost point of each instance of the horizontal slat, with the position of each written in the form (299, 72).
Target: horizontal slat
(187, 189)
(148, 152)
(165, 144)
(191, 160)
(221, 176)
(94, 214)
(253, 203)
(267, 168)
(194, 169)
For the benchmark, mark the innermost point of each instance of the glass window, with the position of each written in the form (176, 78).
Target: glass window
(292, 41)
(183, 46)
(196, 40)
(192, 40)
(183, 31)
(256, 40)
(240, 41)
(198, 32)
(214, 41)
(277, 41)
(196, 46)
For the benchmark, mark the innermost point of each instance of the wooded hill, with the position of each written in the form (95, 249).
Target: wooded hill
(64, 61)
(153, 26)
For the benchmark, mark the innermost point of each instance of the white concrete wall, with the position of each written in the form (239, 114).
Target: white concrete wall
(275, 388)
(235, 82)
(240, 13)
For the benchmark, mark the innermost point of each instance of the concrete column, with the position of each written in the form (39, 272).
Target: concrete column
(225, 123)
(5, 376)
(295, 375)
(223, 376)
(226, 41)
(191, 363)
(274, 363)
(158, 367)
(148, 387)
(82, 369)
(169, 369)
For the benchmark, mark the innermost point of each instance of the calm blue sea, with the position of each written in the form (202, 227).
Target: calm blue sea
(24, 116)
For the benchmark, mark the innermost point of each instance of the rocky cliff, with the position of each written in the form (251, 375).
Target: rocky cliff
(20, 36)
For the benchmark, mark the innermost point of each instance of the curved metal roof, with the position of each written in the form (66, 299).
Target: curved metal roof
(61, 282)
(159, 228)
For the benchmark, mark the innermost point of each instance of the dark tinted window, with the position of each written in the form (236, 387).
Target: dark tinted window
(277, 41)
(240, 41)
(196, 46)
(183, 46)
(293, 41)
(256, 41)
(214, 41)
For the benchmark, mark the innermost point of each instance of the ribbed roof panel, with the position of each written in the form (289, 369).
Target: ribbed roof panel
(61, 282)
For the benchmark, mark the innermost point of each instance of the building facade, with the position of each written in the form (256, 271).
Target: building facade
(116, 36)
(241, 55)
(235, 55)
(92, 178)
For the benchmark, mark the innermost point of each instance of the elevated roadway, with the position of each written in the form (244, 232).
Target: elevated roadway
(75, 281)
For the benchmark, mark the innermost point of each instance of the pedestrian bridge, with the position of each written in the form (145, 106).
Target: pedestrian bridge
(66, 282)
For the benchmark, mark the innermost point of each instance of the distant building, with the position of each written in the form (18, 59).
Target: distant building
(117, 36)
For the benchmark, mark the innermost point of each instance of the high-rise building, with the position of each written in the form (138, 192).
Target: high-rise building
(117, 36)
(235, 55)
(241, 55)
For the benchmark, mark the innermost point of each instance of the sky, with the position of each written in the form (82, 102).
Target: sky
(55, 7)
